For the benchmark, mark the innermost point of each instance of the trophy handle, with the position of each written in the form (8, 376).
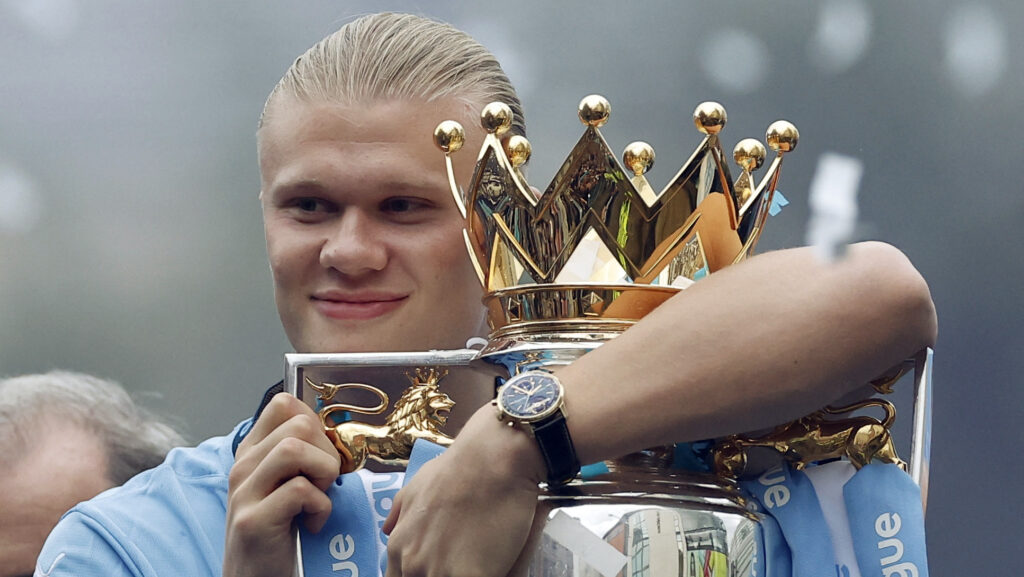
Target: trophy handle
(921, 440)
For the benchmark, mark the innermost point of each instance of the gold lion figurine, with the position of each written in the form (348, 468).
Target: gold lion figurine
(814, 438)
(419, 413)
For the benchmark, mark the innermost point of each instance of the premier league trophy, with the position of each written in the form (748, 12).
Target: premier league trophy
(569, 269)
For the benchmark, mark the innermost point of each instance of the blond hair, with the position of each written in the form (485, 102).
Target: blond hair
(397, 56)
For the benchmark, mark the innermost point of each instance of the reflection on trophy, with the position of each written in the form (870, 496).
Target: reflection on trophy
(565, 271)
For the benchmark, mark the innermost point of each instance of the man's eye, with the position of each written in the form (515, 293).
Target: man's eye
(309, 204)
(401, 204)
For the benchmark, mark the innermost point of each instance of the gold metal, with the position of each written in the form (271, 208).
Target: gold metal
(600, 222)
(594, 110)
(815, 437)
(496, 118)
(638, 157)
(782, 136)
(449, 136)
(749, 154)
(709, 117)
(518, 150)
(419, 413)
(327, 391)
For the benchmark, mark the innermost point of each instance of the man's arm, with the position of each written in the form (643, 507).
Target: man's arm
(748, 347)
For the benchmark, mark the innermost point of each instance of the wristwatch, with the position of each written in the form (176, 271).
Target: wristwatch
(533, 401)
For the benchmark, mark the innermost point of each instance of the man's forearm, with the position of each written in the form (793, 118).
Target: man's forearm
(751, 346)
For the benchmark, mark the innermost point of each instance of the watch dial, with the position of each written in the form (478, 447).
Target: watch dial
(530, 396)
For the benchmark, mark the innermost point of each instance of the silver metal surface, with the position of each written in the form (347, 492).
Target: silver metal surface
(921, 441)
(470, 386)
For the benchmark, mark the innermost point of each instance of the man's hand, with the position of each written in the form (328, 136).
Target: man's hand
(469, 512)
(282, 469)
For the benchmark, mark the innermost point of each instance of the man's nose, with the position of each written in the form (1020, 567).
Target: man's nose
(355, 245)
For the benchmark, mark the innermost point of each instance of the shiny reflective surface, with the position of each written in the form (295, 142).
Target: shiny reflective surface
(600, 222)
(373, 406)
(654, 512)
(692, 529)
(638, 515)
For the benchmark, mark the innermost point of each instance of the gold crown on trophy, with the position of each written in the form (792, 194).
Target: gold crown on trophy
(599, 248)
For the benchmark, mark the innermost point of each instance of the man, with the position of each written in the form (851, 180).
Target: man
(66, 437)
(366, 250)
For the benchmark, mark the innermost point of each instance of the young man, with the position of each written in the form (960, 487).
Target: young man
(367, 254)
(66, 437)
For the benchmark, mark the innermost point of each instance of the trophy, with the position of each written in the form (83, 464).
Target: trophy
(564, 272)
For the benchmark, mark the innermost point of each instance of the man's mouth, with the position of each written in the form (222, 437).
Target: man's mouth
(356, 306)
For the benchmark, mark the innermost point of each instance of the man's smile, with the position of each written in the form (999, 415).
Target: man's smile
(361, 305)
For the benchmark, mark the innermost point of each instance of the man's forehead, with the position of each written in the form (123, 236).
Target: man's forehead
(302, 138)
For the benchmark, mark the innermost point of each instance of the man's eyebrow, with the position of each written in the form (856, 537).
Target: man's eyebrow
(297, 187)
(314, 186)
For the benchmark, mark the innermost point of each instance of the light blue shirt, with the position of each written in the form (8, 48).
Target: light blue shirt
(166, 521)
(170, 520)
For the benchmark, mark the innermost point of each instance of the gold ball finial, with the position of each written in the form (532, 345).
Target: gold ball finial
(518, 150)
(749, 154)
(638, 157)
(594, 110)
(782, 136)
(496, 118)
(449, 136)
(709, 117)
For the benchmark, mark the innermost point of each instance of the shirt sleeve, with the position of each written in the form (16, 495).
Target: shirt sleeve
(81, 547)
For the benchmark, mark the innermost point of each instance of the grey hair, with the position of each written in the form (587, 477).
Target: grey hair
(398, 56)
(134, 439)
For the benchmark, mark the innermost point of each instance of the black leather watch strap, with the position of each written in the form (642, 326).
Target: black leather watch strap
(556, 447)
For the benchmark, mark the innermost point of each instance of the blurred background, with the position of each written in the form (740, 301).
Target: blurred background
(131, 242)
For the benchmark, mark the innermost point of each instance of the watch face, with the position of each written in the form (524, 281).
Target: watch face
(530, 396)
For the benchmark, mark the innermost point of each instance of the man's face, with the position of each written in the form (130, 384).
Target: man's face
(41, 485)
(364, 239)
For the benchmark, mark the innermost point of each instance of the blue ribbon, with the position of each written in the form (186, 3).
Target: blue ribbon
(882, 508)
(351, 543)
(886, 522)
(788, 496)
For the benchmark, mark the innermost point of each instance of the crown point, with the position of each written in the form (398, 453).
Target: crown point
(518, 150)
(639, 157)
(749, 154)
(496, 118)
(449, 136)
(709, 117)
(782, 136)
(594, 110)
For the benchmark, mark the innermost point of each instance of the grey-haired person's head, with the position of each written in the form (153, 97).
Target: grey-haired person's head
(134, 439)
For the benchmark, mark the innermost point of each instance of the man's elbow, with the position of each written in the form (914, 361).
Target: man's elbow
(902, 291)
